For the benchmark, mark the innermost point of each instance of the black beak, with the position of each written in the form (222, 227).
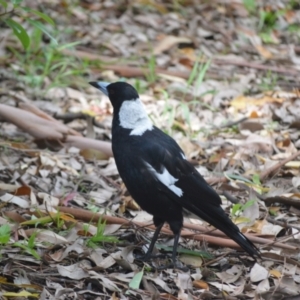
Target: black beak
(100, 85)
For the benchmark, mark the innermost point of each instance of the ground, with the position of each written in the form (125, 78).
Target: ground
(220, 77)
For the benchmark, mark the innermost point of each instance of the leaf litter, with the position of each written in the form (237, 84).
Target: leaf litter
(219, 78)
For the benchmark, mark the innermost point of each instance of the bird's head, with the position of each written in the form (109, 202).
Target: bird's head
(129, 112)
(118, 92)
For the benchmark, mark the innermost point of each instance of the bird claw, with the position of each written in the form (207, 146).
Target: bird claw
(148, 257)
(174, 265)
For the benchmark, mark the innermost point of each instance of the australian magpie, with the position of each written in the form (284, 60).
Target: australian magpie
(158, 175)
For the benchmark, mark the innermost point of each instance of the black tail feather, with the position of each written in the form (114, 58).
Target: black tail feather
(222, 222)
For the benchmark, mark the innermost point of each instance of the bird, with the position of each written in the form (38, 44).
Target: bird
(157, 173)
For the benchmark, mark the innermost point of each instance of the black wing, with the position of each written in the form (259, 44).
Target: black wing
(164, 153)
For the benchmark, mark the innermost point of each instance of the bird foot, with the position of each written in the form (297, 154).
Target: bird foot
(147, 257)
(174, 265)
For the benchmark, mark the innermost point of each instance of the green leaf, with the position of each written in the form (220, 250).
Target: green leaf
(3, 3)
(136, 280)
(240, 220)
(202, 254)
(31, 240)
(250, 5)
(40, 26)
(248, 204)
(19, 32)
(237, 177)
(272, 212)
(28, 250)
(16, 2)
(4, 234)
(69, 45)
(202, 72)
(39, 14)
(235, 208)
(33, 253)
(255, 179)
(193, 73)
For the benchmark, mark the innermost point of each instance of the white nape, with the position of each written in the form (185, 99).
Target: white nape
(167, 179)
(133, 116)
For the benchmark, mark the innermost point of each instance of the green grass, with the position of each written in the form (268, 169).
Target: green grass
(43, 63)
(99, 237)
(151, 75)
(194, 81)
(268, 82)
(29, 245)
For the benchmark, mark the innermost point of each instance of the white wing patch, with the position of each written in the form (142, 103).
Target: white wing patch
(133, 116)
(167, 179)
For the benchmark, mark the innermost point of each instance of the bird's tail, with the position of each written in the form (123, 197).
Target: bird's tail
(222, 222)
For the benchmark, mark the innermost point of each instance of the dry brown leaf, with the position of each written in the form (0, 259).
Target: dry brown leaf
(46, 236)
(9, 198)
(168, 42)
(200, 284)
(275, 273)
(76, 271)
(251, 126)
(264, 52)
(191, 260)
(242, 102)
(253, 114)
(231, 275)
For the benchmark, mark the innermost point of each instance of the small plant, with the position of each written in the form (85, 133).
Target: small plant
(195, 80)
(58, 219)
(269, 81)
(13, 7)
(151, 72)
(99, 237)
(29, 246)
(238, 208)
(267, 23)
(267, 19)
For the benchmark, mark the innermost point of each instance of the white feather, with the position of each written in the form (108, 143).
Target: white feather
(182, 155)
(133, 116)
(167, 179)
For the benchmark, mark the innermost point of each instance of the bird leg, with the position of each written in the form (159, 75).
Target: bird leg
(148, 254)
(175, 245)
(175, 264)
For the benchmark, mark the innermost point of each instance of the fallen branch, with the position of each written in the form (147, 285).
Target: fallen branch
(69, 117)
(128, 71)
(36, 126)
(87, 216)
(283, 200)
(44, 128)
(242, 63)
(87, 143)
(131, 71)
